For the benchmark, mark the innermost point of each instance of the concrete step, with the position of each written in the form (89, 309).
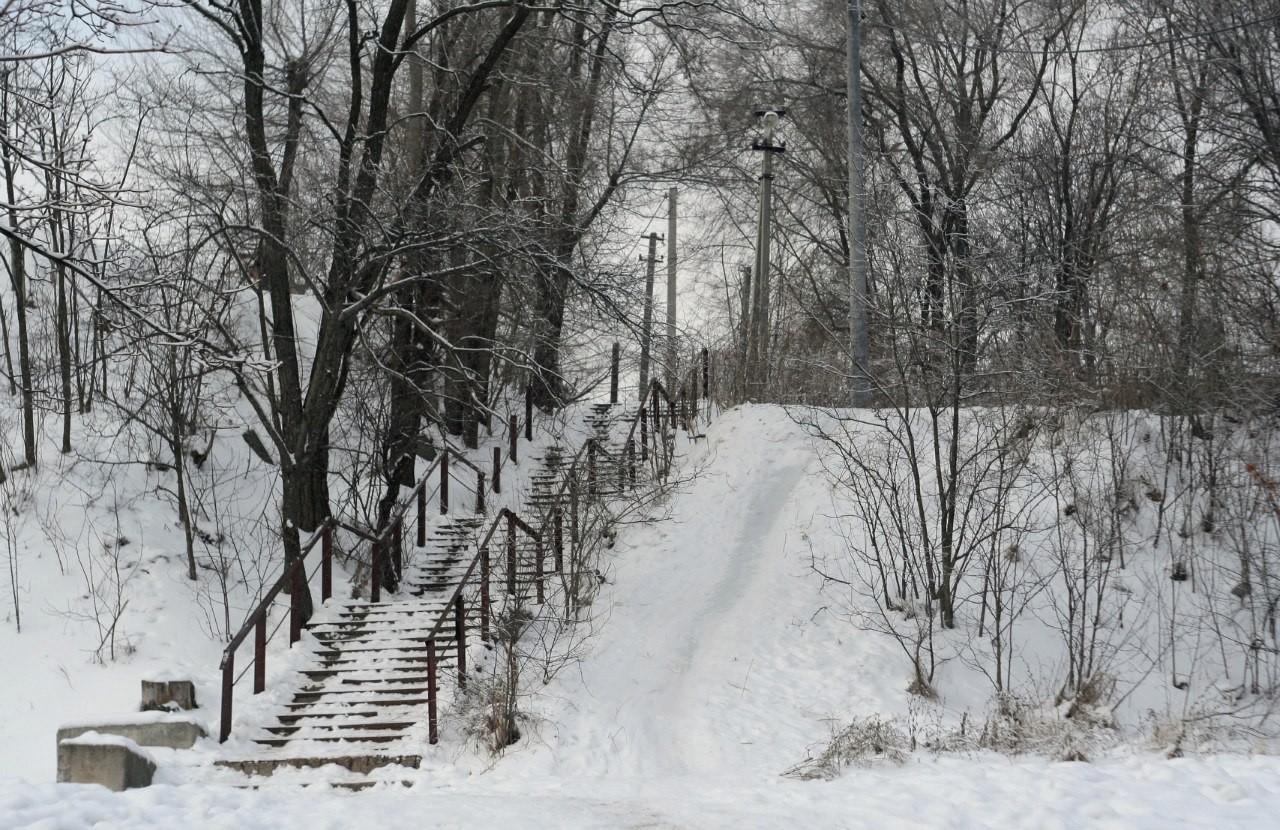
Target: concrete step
(355, 739)
(361, 763)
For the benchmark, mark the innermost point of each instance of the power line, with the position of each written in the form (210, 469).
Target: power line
(919, 37)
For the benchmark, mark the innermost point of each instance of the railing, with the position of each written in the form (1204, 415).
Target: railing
(390, 539)
(551, 523)
(293, 576)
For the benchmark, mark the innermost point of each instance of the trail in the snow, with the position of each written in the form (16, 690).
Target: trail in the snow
(690, 673)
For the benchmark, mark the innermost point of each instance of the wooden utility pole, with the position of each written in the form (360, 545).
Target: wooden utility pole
(646, 324)
(671, 288)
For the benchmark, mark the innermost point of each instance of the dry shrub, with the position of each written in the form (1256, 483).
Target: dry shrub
(1073, 730)
(865, 742)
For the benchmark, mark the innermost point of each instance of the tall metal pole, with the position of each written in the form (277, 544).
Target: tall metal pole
(758, 356)
(859, 344)
(646, 324)
(671, 288)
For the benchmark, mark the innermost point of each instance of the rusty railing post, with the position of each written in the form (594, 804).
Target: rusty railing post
(375, 572)
(296, 585)
(511, 553)
(528, 412)
(497, 469)
(260, 655)
(228, 684)
(397, 537)
(693, 395)
(644, 433)
(484, 593)
(479, 491)
(613, 372)
(573, 511)
(444, 482)
(706, 374)
(538, 560)
(514, 430)
(460, 634)
(326, 563)
(559, 540)
(433, 727)
(422, 514)
(591, 466)
(713, 370)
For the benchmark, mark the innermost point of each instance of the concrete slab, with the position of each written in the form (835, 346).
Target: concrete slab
(114, 762)
(145, 728)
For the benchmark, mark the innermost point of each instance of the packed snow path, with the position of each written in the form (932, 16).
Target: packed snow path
(676, 681)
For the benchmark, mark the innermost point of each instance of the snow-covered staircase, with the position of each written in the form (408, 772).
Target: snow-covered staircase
(360, 698)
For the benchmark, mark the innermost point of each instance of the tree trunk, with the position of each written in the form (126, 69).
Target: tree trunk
(18, 278)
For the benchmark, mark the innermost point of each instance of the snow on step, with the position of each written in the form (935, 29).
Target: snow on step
(361, 700)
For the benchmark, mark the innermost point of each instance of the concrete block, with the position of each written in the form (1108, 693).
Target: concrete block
(168, 694)
(144, 728)
(115, 763)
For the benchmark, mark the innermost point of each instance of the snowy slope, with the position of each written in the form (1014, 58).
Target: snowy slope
(715, 668)
(712, 659)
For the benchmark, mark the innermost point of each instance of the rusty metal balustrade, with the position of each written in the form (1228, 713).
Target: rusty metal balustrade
(655, 424)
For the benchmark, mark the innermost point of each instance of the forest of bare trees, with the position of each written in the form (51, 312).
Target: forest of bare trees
(349, 232)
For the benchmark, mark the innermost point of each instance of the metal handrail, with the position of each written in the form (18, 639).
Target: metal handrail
(275, 590)
(293, 575)
(480, 560)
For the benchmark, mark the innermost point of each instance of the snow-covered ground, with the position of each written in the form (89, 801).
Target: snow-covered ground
(717, 666)
(1213, 794)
